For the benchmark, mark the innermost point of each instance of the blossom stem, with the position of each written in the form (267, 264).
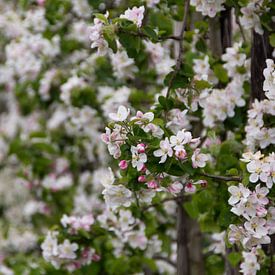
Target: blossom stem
(223, 178)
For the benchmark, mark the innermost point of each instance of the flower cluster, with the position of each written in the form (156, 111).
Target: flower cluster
(269, 82)
(250, 16)
(235, 61)
(203, 71)
(260, 130)
(259, 224)
(260, 167)
(209, 8)
(96, 37)
(250, 264)
(66, 253)
(76, 223)
(130, 141)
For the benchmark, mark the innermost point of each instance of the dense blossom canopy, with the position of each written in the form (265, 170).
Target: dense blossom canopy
(137, 137)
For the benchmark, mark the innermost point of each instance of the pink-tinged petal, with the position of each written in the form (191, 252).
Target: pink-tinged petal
(163, 159)
(254, 177)
(158, 153)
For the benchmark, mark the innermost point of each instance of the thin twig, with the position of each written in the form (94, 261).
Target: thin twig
(143, 35)
(241, 28)
(179, 58)
(222, 177)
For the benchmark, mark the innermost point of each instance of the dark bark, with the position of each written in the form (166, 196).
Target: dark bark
(226, 28)
(271, 254)
(220, 32)
(215, 37)
(195, 248)
(183, 262)
(260, 51)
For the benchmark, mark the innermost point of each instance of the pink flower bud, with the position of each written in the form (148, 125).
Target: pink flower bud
(141, 148)
(190, 188)
(96, 257)
(141, 179)
(203, 183)
(152, 184)
(123, 164)
(181, 154)
(143, 169)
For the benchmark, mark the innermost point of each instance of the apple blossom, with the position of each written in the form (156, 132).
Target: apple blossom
(123, 164)
(117, 195)
(121, 115)
(138, 159)
(67, 250)
(164, 151)
(238, 194)
(142, 179)
(190, 188)
(135, 14)
(199, 159)
(175, 187)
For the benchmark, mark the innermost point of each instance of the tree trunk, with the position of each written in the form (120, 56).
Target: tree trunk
(215, 37)
(260, 51)
(183, 262)
(226, 28)
(195, 248)
(220, 32)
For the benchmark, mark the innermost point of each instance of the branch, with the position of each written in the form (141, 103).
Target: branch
(241, 28)
(222, 177)
(143, 35)
(167, 260)
(181, 36)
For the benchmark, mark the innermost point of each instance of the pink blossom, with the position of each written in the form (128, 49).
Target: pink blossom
(190, 188)
(141, 148)
(135, 15)
(123, 164)
(175, 187)
(152, 184)
(141, 178)
(41, 2)
(181, 154)
(96, 257)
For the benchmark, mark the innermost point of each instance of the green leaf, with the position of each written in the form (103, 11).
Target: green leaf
(149, 31)
(111, 43)
(272, 39)
(191, 209)
(234, 258)
(221, 73)
(177, 81)
(131, 43)
(101, 17)
(202, 84)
